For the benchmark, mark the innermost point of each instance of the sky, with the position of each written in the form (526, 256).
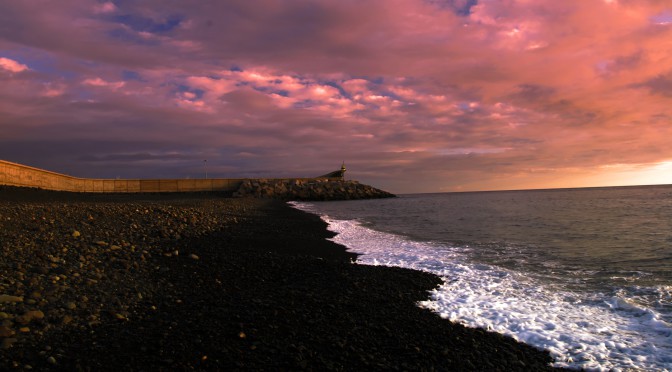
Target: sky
(413, 95)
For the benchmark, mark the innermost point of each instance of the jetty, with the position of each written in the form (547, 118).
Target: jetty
(331, 186)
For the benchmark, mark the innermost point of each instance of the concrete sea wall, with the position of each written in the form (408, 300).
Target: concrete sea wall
(13, 174)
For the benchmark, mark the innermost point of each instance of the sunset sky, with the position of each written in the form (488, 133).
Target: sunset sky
(414, 95)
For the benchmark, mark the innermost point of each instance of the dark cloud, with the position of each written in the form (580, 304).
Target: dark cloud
(414, 95)
(460, 7)
(661, 85)
(144, 156)
(534, 93)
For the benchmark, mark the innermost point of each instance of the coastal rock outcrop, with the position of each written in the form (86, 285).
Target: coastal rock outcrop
(309, 189)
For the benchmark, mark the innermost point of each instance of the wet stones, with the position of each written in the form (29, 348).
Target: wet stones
(10, 299)
(29, 316)
(78, 266)
(6, 332)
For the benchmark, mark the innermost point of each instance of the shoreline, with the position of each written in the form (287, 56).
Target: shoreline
(202, 282)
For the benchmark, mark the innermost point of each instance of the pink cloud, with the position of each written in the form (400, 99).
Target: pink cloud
(107, 7)
(98, 82)
(11, 65)
(482, 96)
(53, 90)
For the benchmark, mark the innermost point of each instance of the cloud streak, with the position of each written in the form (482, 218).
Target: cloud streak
(415, 95)
(12, 66)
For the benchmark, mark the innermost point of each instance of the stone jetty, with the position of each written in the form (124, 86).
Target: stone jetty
(309, 189)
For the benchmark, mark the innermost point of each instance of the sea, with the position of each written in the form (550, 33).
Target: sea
(583, 273)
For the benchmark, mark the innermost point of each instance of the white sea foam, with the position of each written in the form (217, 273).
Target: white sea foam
(594, 332)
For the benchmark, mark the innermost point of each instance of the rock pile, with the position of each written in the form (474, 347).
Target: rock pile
(77, 266)
(309, 189)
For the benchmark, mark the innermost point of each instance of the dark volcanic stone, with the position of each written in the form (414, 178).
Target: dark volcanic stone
(267, 292)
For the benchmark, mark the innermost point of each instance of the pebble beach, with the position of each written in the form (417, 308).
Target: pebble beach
(149, 282)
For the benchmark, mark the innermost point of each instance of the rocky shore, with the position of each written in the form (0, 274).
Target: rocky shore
(309, 189)
(201, 282)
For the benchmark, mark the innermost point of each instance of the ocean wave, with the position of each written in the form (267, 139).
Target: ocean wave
(580, 332)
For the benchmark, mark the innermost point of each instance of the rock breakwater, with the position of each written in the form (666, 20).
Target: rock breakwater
(309, 189)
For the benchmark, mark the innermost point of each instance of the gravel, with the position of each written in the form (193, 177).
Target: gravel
(204, 282)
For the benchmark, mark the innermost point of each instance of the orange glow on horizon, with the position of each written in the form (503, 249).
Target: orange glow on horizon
(606, 176)
(630, 175)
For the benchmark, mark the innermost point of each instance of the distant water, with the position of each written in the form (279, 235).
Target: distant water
(583, 273)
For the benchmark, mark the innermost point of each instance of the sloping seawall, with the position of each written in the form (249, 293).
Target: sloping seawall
(13, 174)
